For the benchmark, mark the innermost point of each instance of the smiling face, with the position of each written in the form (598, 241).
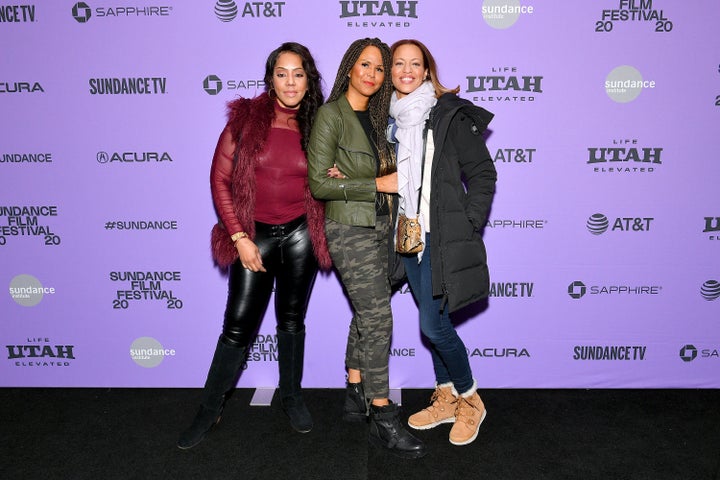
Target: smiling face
(408, 69)
(289, 80)
(366, 77)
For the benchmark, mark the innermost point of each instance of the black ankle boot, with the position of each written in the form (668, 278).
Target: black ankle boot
(291, 350)
(355, 408)
(226, 364)
(386, 431)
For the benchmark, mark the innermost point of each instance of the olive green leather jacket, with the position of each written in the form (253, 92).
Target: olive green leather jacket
(337, 138)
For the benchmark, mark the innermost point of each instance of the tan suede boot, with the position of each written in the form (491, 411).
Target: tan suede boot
(441, 409)
(469, 415)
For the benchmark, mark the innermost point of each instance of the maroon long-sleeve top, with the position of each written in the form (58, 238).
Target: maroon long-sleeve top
(280, 175)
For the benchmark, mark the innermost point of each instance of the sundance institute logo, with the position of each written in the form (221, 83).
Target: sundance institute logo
(148, 352)
(226, 10)
(625, 83)
(27, 290)
(502, 14)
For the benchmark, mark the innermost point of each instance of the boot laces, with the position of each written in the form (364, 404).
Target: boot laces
(466, 409)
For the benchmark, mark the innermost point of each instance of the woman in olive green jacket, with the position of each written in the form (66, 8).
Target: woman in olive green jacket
(351, 168)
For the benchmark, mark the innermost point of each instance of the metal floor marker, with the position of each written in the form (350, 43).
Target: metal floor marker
(396, 395)
(262, 397)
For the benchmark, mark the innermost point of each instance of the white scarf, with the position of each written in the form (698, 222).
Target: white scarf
(410, 113)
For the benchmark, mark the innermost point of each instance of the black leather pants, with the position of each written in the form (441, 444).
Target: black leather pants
(291, 266)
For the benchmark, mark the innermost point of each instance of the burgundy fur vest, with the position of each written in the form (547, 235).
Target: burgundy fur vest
(249, 121)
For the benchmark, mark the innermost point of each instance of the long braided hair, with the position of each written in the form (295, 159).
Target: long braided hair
(313, 97)
(379, 105)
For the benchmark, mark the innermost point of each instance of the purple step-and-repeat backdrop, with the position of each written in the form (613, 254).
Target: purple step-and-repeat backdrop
(603, 240)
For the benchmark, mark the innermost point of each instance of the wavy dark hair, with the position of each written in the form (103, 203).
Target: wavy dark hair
(313, 97)
(379, 105)
(430, 64)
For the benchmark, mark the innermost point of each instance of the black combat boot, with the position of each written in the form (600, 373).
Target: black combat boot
(386, 431)
(355, 408)
(222, 376)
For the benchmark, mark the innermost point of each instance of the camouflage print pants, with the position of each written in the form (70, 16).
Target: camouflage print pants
(360, 255)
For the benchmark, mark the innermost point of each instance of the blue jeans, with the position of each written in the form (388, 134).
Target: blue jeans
(449, 355)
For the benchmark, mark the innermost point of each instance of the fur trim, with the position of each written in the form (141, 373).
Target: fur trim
(467, 394)
(249, 121)
(224, 252)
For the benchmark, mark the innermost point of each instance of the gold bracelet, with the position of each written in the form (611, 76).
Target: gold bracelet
(237, 236)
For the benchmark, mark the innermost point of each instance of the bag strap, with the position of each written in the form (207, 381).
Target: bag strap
(422, 164)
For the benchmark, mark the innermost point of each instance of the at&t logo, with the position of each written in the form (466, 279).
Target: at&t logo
(227, 10)
(710, 290)
(598, 224)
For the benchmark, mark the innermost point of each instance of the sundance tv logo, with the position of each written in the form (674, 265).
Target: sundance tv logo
(17, 13)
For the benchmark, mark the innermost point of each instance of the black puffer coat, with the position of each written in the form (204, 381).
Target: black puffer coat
(463, 184)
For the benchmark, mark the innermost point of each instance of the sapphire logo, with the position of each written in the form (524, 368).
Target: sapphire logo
(597, 224)
(226, 10)
(688, 353)
(81, 12)
(577, 289)
(212, 84)
(710, 290)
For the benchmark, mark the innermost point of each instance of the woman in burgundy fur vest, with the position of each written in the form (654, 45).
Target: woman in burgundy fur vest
(270, 233)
